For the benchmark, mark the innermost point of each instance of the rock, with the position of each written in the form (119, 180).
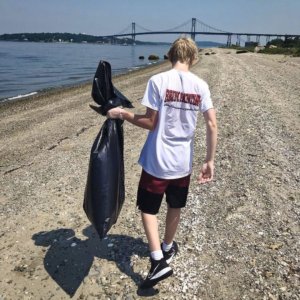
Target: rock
(153, 57)
(241, 51)
(275, 246)
(258, 48)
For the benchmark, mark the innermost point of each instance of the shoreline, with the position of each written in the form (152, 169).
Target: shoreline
(47, 92)
(63, 67)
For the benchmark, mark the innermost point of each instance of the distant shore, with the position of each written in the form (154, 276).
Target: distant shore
(84, 38)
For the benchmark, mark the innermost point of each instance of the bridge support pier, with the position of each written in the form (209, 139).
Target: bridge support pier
(228, 40)
(133, 32)
(258, 40)
(238, 40)
(267, 39)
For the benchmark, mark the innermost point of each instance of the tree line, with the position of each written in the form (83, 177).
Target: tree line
(63, 37)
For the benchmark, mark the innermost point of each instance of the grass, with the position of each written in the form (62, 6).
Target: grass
(286, 51)
(293, 51)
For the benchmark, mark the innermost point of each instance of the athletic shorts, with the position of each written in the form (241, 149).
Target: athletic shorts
(152, 189)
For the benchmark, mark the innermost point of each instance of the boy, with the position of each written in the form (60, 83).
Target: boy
(172, 99)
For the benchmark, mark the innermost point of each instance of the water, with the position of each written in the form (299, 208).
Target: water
(27, 68)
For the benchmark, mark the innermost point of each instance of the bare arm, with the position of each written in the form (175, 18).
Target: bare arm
(207, 170)
(147, 120)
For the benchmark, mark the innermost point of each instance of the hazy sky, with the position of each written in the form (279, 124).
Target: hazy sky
(98, 17)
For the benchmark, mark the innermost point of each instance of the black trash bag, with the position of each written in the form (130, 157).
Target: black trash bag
(103, 91)
(105, 190)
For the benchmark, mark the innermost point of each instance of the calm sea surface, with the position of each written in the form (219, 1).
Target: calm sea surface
(27, 68)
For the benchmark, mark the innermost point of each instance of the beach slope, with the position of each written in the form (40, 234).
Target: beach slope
(239, 236)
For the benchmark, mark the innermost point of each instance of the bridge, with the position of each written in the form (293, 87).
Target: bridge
(197, 27)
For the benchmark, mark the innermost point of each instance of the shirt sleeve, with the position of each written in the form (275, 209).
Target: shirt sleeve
(151, 97)
(206, 102)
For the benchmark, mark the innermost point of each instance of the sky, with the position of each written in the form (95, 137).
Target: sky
(99, 17)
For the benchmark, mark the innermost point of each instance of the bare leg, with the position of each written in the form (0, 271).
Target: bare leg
(172, 220)
(151, 228)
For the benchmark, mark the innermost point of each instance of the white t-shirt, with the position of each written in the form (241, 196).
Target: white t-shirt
(177, 96)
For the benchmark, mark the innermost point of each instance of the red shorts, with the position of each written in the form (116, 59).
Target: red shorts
(152, 189)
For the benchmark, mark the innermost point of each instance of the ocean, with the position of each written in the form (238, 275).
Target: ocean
(26, 68)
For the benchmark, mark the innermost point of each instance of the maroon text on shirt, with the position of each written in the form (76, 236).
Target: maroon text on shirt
(174, 96)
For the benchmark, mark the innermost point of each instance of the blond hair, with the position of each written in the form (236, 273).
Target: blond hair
(183, 50)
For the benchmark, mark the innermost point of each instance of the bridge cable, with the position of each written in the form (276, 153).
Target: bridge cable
(126, 30)
(210, 27)
(170, 29)
(143, 28)
(177, 27)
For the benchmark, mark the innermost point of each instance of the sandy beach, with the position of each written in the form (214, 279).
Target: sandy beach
(239, 236)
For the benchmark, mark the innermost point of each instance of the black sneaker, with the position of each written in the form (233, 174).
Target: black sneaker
(159, 270)
(169, 255)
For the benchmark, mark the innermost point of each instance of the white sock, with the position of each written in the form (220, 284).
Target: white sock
(157, 255)
(167, 247)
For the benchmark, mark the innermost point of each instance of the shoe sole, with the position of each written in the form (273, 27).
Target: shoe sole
(154, 282)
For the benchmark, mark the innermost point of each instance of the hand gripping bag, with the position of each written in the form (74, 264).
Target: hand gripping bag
(105, 191)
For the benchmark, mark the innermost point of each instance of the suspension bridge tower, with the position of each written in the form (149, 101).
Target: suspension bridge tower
(133, 32)
(193, 34)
